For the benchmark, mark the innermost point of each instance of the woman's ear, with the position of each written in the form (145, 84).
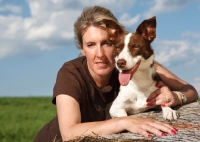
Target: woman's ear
(83, 53)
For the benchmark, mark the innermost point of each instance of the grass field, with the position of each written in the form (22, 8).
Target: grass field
(22, 118)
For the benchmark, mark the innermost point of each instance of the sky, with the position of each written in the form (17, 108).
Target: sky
(36, 39)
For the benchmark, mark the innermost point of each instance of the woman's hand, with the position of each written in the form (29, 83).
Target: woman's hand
(147, 127)
(163, 96)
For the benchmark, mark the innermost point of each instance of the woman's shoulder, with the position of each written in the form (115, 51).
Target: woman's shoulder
(77, 62)
(70, 79)
(72, 69)
(73, 66)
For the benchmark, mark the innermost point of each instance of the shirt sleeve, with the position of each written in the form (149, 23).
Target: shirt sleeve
(67, 83)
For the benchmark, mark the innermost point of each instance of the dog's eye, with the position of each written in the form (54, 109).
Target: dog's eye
(136, 47)
(117, 47)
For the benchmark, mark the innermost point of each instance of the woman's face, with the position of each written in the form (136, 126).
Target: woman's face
(98, 51)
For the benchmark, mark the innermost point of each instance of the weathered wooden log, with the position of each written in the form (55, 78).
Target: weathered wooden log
(188, 125)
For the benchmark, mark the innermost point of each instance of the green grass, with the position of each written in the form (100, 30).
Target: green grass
(22, 118)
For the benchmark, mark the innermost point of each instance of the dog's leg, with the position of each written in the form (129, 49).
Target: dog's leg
(117, 108)
(122, 103)
(117, 112)
(170, 114)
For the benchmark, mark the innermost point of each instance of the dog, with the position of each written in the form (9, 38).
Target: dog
(134, 58)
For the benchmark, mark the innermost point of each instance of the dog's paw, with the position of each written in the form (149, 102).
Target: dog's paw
(170, 114)
(116, 112)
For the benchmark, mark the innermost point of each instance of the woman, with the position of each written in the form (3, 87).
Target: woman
(87, 85)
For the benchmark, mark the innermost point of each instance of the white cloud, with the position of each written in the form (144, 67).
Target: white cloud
(50, 23)
(4, 51)
(44, 31)
(10, 8)
(190, 34)
(197, 79)
(127, 20)
(194, 38)
(34, 8)
(176, 52)
(169, 50)
(10, 27)
(164, 6)
(113, 5)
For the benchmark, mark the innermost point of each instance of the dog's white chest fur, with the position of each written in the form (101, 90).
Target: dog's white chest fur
(132, 98)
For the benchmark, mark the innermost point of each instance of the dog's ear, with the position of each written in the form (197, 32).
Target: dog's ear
(147, 29)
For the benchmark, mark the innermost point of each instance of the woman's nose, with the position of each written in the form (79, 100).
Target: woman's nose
(100, 51)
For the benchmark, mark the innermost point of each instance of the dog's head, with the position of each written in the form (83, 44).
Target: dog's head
(132, 49)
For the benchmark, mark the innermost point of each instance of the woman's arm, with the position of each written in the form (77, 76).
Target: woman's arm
(69, 118)
(70, 125)
(171, 83)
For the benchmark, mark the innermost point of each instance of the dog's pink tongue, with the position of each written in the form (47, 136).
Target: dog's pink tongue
(124, 77)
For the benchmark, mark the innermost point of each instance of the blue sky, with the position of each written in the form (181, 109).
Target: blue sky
(36, 38)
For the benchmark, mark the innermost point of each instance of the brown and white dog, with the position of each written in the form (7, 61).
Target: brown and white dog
(134, 58)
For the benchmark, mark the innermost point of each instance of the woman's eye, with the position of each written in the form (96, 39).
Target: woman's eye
(90, 45)
(107, 44)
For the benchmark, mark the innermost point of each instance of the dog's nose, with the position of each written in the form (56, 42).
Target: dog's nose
(121, 63)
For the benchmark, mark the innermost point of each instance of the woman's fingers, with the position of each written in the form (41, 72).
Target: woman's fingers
(163, 127)
(159, 84)
(144, 133)
(162, 96)
(153, 95)
(148, 127)
(160, 101)
(157, 92)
